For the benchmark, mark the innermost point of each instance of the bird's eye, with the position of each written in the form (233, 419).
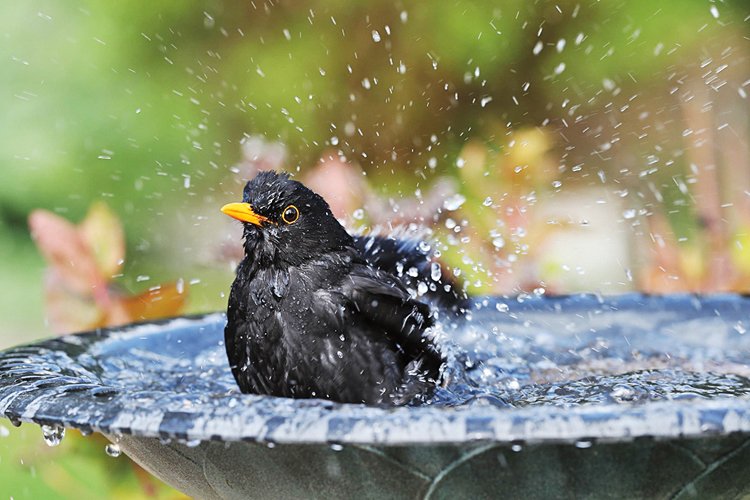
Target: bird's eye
(290, 214)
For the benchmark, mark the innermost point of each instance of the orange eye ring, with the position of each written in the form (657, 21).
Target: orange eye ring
(290, 214)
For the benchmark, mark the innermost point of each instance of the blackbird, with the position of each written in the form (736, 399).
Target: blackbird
(310, 317)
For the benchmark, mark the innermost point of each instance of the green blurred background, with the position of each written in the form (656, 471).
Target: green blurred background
(593, 145)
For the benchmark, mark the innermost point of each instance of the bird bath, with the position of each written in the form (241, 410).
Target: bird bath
(637, 396)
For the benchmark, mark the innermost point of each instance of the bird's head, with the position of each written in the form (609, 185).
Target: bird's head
(285, 222)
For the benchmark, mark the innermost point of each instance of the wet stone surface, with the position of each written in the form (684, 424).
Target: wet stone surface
(547, 393)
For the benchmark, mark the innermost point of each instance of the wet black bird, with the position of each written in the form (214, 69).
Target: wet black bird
(309, 316)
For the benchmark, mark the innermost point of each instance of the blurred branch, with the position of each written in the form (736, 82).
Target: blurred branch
(697, 110)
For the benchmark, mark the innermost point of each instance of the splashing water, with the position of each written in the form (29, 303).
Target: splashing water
(435, 271)
(604, 354)
(454, 202)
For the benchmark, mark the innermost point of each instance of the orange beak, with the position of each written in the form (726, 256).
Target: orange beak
(243, 212)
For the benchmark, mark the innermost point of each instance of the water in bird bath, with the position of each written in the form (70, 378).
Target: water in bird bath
(508, 354)
(626, 351)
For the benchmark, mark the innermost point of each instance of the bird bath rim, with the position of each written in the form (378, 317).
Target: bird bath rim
(39, 386)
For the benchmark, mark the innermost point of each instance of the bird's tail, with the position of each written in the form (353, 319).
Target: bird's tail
(412, 260)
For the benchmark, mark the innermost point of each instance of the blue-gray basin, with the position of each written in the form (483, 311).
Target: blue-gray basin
(582, 395)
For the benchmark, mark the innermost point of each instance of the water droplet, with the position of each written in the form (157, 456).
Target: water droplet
(516, 448)
(502, 307)
(629, 214)
(715, 12)
(375, 36)
(584, 444)
(740, 328)
(113, 450)
(454, 202)
(334, 141)
(422, 288)
(609, 86)
(358, 214)
(337, 447)
(498, 242)
(622, 393)
(4, 432)
(487, 202)
(53, 434)
(435, 271)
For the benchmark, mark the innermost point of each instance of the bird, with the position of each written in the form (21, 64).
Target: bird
(309, 316)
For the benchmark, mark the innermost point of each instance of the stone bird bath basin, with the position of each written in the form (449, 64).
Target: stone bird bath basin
(634, 396)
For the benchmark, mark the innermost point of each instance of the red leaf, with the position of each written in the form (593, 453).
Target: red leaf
(162, 302)
(65, 250)
(68, 311)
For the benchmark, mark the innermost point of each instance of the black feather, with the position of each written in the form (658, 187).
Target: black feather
(310, 316)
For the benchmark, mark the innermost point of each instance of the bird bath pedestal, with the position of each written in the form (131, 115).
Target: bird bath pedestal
(633, 396)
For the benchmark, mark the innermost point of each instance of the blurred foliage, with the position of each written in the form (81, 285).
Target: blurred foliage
(77, 468)
(84, 261)
(564, 145)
